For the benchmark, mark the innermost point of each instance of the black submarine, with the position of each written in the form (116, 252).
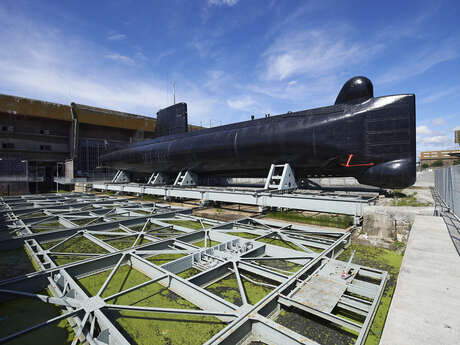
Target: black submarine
(362, 136)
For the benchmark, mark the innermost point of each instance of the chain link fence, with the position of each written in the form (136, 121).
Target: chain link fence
(447, 184)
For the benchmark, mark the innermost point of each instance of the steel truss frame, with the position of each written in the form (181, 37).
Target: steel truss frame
(341, 204)
(118, 219)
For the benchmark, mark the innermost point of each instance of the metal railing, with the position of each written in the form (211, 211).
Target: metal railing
(447, 184)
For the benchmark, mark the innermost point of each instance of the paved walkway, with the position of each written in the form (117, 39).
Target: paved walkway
(426, 304)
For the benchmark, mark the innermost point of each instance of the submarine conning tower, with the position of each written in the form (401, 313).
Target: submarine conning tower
(355, 90)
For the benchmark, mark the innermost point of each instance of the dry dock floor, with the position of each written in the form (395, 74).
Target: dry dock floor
(426, 304)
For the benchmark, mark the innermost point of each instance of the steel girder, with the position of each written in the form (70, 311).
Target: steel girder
(110, 220)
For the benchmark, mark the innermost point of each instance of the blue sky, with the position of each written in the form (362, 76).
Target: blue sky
(233, 58)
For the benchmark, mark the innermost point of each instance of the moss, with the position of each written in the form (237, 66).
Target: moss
(210, 243)
(82, 222)
(337, 221)
(47, 245)
(274, 241)
(191, 224)
(383, 259)
(243, 235)
(315, 328)
(279, 243)
(146, 197)
(124, 278)
(122, 243)
(78, 244)
(20, 313)
(33, 215)
(149, 226)
(148, 327)
(162, 233)
(161, 259)
(281, 264)
(14, 262)
(54, 225)
(63, 260)
(227, 288)
(188, 273)
(255, 292)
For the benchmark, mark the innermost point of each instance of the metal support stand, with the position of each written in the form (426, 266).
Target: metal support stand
(157, 179)
(186, 178)
(121, 177)
(280, 177)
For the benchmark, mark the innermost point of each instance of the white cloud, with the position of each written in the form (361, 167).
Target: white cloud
(204, 47)
(423, 130)
(304, 94)
(435, 96)
(423, 60)
(312, 53)
(120, 58)
(245, 103)
(229, 3)
(40, 62)
(116, 37)
(436, 139)
(439, 121)
(435, 142)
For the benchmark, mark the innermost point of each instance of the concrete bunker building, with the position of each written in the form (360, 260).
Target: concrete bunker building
(41, 140)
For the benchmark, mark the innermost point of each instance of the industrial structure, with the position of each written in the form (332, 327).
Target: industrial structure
(447, 157)
(38, 138)
(125, 272)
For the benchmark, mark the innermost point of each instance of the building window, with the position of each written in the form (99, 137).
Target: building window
(7, 145)
(45, 147)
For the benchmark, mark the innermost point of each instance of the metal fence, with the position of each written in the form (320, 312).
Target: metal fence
(447, 184)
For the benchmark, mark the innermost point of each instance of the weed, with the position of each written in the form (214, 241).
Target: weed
(337, 221)
(401, 199)
(146, 197)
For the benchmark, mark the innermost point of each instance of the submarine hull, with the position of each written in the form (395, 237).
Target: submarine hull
(373, 141)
